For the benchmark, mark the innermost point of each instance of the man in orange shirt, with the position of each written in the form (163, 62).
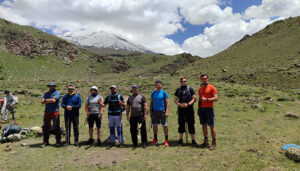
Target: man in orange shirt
(207, 96)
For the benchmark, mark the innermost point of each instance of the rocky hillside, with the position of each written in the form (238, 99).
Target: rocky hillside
(32, 42)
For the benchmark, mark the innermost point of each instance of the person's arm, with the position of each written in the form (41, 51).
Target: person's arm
(145, 110)
(167, 106)
(78, 102)
(63, 102)
(192, 101)
(128, 107)
(151, 107)
(14, 101)
(176, 101)
(87, 109)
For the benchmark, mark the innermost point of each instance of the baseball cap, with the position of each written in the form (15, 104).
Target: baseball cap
(158, 82)
(94, 87)
(113, 86)
(51, 84)
(135, 86)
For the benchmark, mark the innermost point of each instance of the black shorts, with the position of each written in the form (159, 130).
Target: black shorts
(186, 115)
(94, 118)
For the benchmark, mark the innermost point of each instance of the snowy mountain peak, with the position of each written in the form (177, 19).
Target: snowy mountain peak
(102, 39)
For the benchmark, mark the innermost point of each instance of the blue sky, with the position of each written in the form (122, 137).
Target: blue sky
(238, 6)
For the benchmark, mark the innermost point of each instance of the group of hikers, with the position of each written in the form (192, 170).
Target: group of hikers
(136, 111)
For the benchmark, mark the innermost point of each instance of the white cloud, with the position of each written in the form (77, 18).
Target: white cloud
(148, 22)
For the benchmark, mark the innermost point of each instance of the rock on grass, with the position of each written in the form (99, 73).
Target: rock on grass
(293, 153)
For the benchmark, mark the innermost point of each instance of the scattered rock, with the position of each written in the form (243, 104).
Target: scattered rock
(260, 153)
(254, 106)
(24, 144)
(37, 130)
(297, 65)
(7, 148)
(282, 69)
(293, 153)
(224, 70)
(253, 150)
(291, 115)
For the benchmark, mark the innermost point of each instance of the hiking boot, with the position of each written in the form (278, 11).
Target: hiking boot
(194, 143)
(44, 145)
(90, 141)
(121, 145)
(180, 142)
(76, 144)
(166, 143)
(98, 142)
(144, 145)
(135, 145)
(154, 142)
(112, 144)
(213, 146)
(205, 144)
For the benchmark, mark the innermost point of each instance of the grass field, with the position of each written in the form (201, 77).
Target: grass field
(247, 139)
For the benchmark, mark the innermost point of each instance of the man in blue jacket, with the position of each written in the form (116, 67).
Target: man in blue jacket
(51, 101)
(71, 102)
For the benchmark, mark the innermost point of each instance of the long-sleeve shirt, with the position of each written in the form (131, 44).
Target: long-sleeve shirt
(74, 101)
(10, 100)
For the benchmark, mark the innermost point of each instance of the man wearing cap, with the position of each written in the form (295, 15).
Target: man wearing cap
(207, 96)
(115, 108)
(51, 101)
(71, 102)
(10, 106)
(137, 107)
(159, 111)
(94, 110)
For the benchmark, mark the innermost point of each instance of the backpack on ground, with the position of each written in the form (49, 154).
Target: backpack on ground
(10, 129)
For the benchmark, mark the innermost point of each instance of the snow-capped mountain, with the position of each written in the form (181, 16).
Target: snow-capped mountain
(102, 39)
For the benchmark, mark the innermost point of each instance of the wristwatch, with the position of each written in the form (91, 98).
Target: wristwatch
(207, 99)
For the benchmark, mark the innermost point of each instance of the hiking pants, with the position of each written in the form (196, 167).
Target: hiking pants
(70, 118)
(9, 110)
(186, 115)
(115, 121)
(56, 125)
(134, 121)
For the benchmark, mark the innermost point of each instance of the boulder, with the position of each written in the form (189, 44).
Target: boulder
(37, 130)
(291, 115)
(254, 106)
(293, 153)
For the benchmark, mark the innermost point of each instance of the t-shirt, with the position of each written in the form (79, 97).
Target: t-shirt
(93, 104)
(137, 104)
(183, 95)
(159, 103)
(207, 92)
(114, 107)
(52, 107)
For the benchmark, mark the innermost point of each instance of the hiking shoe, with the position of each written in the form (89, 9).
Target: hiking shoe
(154, 142)
(180, 142)
(213, 146)
(167, 143)
(57, 145)
(44, 145)
(194, 143)
(121, 145)
(135, 145)
(205, 144)
(90, 141)
(144, 145)
(76, 144)
(112, 144)
(99, 142)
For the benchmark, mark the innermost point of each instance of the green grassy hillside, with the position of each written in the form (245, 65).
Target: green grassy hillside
(270, 57)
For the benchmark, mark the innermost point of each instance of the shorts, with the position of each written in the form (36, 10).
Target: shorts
(93, 118)
(207, 116)
(158, 117)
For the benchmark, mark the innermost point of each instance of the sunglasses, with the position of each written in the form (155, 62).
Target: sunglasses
(93, 90)
(203, 78)
(183, 81)
(70, 89)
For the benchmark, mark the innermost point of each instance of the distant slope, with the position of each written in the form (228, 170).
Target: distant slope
(270, 57)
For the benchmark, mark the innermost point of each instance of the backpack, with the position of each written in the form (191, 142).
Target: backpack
(109, 100)
(187, 95)
(10, 129)
(164, 94)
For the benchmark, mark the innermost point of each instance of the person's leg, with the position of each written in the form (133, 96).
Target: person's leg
(191, 123)
(164, 122)
(112, 129)
(56, 124)
(75, 121)
(6, 115)
(133, 130)
(203, 121)
(119, 129)
(144, 132)
(181, 125)
(68, 127)
(211, 123)
(91, 126)
(46, 128)
(98, 125)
